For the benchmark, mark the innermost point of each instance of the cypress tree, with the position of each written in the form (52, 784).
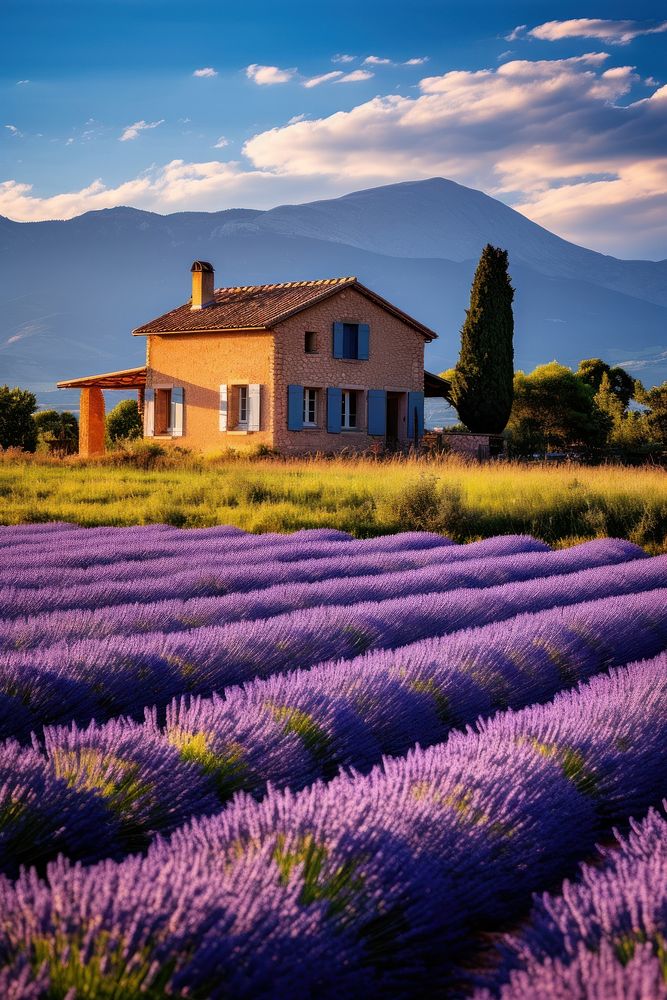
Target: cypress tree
(482, 386)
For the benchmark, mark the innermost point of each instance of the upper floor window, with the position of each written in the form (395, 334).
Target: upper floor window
(348, 420)
(351, 341)
(310, 407)
(310, 342)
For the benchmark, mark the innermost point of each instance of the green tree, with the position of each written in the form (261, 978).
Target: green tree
(656, 417)
(58, 432)
(554, 410)
(123, 422)
(482, 385)
(17, 428)
(622, 385)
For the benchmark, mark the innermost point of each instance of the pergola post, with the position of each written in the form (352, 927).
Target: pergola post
(91, 422)
(141, 398)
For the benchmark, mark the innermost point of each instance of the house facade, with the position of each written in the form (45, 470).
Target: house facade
(299, 366)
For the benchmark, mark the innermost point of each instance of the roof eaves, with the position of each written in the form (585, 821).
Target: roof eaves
(141, 331)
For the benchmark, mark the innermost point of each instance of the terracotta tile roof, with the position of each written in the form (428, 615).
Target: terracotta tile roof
(262, 307)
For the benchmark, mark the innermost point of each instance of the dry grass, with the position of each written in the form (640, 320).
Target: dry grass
(365, 496)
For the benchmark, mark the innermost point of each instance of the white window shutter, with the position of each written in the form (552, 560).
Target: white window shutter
(177, 411)
(149, 413)
(253, 407)
(223, 408)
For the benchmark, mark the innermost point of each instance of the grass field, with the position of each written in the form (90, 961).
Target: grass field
(366, 497)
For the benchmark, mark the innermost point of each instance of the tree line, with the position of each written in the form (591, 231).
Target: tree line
(596, 411)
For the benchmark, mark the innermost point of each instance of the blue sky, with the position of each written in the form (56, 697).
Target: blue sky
(557, 110)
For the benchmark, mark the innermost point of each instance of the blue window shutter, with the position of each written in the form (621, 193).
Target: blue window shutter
(415, 403)
(334, 406)
(377, 411)
(294, 407)
(364, 336)
(338, 340)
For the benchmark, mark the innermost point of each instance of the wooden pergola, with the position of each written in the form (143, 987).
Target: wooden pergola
(91, 415)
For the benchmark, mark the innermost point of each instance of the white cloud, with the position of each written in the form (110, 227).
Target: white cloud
(69, 141)
(207, 71)
(613, 32)
(12, 129)
(221, 143)
(297, 118)
(133, 131)
(315, 81)
(516, 33)
(20, 82)
(343, 59)
(355, 76)
(377, 61)
(268, 75)
(416, 61)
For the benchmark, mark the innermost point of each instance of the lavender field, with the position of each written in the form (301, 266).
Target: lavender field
(237, 765)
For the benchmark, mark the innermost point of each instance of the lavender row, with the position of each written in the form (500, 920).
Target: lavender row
(222, 576)
(36, 561)
(295, 728)
(177, 614)
(378, 883)
(604, 937)
(101, 678)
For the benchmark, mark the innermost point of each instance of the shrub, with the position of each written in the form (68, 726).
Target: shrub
(123, 422)
(57, 433)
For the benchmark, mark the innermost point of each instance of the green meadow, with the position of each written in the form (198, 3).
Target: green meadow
(365, 496)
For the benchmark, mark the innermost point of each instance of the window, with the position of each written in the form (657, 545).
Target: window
(350, 340)
(310, 407)
(243, 405)
(348, 420)
(310, 342)
(162, 411)
(240, 407)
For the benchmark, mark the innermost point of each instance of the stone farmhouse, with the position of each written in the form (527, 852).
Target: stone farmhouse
(299, 366)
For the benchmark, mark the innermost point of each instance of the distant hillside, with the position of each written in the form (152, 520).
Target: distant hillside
(72, 291)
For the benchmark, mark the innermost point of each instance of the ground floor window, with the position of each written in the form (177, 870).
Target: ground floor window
(310, 407)
(348, 420)
(162, 411)
(243, 405)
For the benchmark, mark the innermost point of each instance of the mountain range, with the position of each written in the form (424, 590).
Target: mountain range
(71, 291)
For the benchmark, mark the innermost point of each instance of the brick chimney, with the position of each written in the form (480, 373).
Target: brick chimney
(202, 284)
